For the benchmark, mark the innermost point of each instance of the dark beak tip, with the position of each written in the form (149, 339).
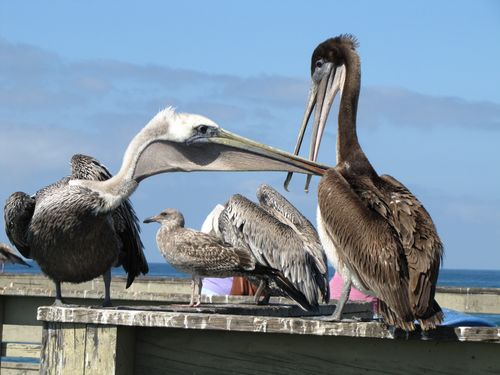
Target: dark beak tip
(287, 181)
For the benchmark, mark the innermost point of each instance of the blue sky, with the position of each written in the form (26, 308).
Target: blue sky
(85, 77)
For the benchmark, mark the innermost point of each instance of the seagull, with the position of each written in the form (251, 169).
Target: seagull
(204, 255)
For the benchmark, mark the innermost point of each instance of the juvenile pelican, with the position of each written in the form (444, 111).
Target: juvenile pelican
(69, 227)
(119, 232)
(280, 236)
(204, 255)
(7, 256)
(376, 233)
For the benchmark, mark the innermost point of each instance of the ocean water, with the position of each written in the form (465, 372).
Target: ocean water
(456, 278)
(447, 277)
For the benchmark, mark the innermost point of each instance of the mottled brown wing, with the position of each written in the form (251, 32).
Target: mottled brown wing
(364, 241)
(207, 255)
(422, 246)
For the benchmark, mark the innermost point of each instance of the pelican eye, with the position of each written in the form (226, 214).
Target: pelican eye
(319, 63)
(203, 129)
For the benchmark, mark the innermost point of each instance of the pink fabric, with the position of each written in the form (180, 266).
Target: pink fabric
(336, 284)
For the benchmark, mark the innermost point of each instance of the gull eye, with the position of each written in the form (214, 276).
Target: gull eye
(203, 129)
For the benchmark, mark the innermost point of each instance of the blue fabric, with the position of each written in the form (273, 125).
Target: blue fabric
(453, 318)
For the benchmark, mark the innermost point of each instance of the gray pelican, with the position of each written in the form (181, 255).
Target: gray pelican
(204, 255)
(376, 233)
(68, 228)
(115, 241)
(279, 236)
(7, 256)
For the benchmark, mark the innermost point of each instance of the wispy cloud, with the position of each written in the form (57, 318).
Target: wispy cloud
(400, 107)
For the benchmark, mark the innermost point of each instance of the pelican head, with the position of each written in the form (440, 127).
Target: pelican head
(188, 142)
(327, 79)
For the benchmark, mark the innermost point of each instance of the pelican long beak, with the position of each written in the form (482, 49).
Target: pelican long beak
(321, 96)
(219, 151)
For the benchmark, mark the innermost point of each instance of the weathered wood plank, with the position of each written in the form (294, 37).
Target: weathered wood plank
(21, 349)
(100, 350)
(78, 349)
(473, 300)
(18, 368)
(22, 333)
(63, 349)
(177, 351)
(252, 323)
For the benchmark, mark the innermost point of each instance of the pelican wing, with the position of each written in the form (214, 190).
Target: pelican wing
(7, 256)
(125, 220)
(422, 246)
(273, 243)
(18, 211)
(279, 207)
(365, 241)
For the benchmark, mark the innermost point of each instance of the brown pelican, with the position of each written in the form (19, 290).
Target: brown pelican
(204, 255)
(114, 242)
(69, 227)
(281, 237)
(7, 256)
(376, 233)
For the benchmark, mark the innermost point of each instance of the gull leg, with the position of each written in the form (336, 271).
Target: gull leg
(193, 286)
(199, 284)
(107, 288)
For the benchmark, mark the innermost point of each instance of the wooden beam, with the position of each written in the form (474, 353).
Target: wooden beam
(161, 290)
(174, 341)
(247, 321)
(87, 349)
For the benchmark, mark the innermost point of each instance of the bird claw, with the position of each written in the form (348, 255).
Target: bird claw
(58, 303)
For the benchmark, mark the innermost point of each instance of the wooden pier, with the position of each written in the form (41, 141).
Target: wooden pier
(166, 341)
(150, 333)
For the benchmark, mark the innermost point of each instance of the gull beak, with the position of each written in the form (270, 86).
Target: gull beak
(321, 96)
(151, 219)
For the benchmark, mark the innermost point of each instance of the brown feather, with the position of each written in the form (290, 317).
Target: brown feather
(380, 234)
